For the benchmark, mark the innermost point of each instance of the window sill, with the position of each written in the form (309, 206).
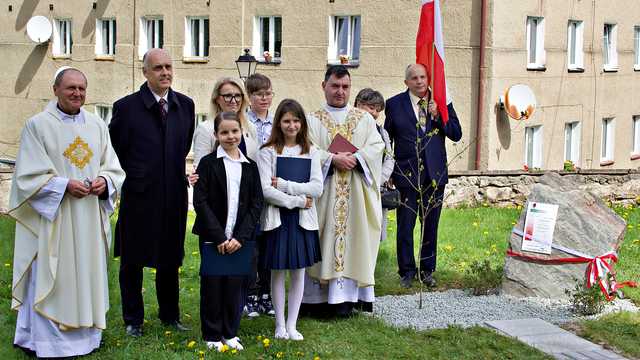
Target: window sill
(610, 68)
(635, 156)
(606, 162)
(350, 64)
(61, 57)
(576, 70)
(273, 62)
(536, 68)
(105, 58)
(195, 60)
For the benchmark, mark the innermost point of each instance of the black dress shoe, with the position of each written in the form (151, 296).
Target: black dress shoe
(134, 330)
(176, 325)
(406, 281)
(427, 279)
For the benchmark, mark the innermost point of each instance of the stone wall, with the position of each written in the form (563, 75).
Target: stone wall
(509, 188)
(5, 187)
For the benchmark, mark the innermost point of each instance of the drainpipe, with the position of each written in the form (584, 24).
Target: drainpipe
(482, 80)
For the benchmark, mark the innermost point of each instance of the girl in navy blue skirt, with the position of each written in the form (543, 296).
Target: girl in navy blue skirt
(291, 179)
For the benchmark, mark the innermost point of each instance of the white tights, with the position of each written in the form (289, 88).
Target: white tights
(295, 298)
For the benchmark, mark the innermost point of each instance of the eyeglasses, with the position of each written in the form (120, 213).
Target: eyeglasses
(264, 94)
(229, 97)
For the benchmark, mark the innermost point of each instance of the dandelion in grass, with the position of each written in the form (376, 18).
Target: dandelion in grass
(636, 242)
(485, 233)
(448, 248)
(630, 226)
(225, 348)
(167, 333)
(259, 337)
(316, 357)
(266, 343)
(7, 265)
(513, 223)
(279, 355)
(191, 344)
(234, 351)
(487, 252)
(475, 224)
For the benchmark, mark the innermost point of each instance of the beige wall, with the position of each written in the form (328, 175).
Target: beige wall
(387, 46)
(563, 96)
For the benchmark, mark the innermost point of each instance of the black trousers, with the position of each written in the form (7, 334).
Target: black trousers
(219, 310)
(260, 279)
(167, 293)
(432, 198)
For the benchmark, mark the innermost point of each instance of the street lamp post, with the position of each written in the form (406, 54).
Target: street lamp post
(246, 65)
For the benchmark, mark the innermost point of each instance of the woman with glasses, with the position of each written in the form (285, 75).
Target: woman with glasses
(228, 95)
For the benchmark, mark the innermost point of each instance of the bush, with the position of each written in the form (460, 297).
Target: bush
(482, 278)
(586, 301)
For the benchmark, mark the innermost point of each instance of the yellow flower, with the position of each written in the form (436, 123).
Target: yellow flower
(266, 342)
(225, 348)
(316, 357)
(448, 248)
(475, 223)
(201, 353)
(279, 354)
(636, 241)
(259, 337)
(234, 351)
(630, 226)
(167, 333)
(7, 265)
(300, 353)
(485, 232)
(487, 253)
(194, 253)
(191, 344)
(513, 223)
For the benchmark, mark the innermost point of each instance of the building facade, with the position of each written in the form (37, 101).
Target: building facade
(581, 58)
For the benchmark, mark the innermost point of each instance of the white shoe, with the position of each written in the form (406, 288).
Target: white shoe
(295, 335)
(217, 345)
(234, 343)
(281, 333)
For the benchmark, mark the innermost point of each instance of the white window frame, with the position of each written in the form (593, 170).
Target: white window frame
(106, 43)
(572, 135)
(610, 47)
(636, 47)
(575, 41)
(150, 35)
(258, 48)
(535, 50)
(202, 52)
(62, 39)
(533, 146)
(607, 139)
(636, 135)
(104, 112)
(333, 55)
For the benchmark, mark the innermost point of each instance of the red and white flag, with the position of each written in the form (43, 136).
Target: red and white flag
(430, 35)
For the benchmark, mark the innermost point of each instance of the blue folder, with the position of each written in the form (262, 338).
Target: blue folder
(293, 169)
(214, 263)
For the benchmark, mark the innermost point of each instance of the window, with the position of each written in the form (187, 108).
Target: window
(106, 37)
(608, 134)
(62, 40)
(196, 44)
(104, 113)
(533, 146)
(200, 118)
(572, 142)
(574, 45)
(267, 36)
(535, 43)
(636, 47)
(151, 34)
(636, 135)
(609, 50)
(344, 40)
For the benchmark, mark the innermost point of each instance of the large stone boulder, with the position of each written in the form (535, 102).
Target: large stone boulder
(584, 223)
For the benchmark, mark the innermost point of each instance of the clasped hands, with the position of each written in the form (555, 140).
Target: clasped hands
(229, 246)
(307, 204)
(80, 189)
(344, 161)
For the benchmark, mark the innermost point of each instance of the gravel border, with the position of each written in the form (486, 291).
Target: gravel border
(459, 308)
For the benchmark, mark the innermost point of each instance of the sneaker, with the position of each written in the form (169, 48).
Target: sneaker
(217, 345)
(266, 307)
(252, 306)
(234, 343)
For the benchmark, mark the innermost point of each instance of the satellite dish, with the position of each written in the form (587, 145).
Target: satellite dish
(39, 29)
(519, 102)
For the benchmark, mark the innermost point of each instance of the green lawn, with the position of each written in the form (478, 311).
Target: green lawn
(465, 235)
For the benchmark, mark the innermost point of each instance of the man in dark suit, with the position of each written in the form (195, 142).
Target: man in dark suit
(421, 169)
(151, 131)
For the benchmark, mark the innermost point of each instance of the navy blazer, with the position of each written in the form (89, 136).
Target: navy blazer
(153, 207)
(401, 124)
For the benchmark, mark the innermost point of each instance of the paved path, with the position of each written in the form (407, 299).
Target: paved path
(546, 337)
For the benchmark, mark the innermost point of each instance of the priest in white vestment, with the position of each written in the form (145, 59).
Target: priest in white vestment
(66, 180)
(349, 211)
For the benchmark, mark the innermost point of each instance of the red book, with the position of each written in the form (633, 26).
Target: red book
(340, 145)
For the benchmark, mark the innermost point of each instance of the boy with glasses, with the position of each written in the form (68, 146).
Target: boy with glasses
(261, 95)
